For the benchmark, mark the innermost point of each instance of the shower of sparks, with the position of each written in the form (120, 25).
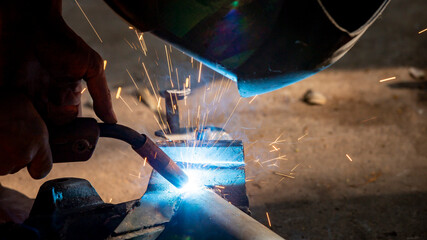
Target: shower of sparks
(268, 218)
(200, 72)
(137, 88)
(424, 30)
(84, 89)
(119, 90)
(151, 83)
(302, 136)
(105, 64)
(387, 79)
(253, 99)
(349, 158)
(84, 14)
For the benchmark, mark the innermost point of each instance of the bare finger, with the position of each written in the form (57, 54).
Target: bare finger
(98, 89)
(41, 164)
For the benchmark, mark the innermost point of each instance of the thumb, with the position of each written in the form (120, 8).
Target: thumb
(41, 164)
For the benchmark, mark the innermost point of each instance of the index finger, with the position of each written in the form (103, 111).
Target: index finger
(98, 89)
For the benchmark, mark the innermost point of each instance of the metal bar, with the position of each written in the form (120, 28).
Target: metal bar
(205, 215)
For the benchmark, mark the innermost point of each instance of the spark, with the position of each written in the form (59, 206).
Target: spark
(132, 79)
(277, 140)
(369, 119)
(137, 176)
(130, 27)
(349, 158)
(283, 175)
(200, 72)
(119, 90)
(282, 158)
(387, 79)
(232, 113)
(84, 89)
(273, 165)
(142, 42)
(159, 103)
(130, 45)
(218, 186)
(268, 218)
(302, 136)
(169, 65)
(187, 82)
(275, 149)
(424, 30)
(293, 169)
(177, 77)
(161, 128)
(111, 200)
(105, 64)
(145, 161)
(253, 99)
(127, 105)
(84, 14)
(149, 79)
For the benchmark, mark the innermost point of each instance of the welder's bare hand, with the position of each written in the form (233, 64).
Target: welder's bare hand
(42, 56)
(23, 137)
(43, 61)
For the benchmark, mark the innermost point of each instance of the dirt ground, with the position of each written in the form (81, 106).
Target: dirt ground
(380, 194)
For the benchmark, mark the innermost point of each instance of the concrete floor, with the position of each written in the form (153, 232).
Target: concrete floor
(380, 194)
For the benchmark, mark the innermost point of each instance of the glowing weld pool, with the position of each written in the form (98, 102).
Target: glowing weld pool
(218, 165)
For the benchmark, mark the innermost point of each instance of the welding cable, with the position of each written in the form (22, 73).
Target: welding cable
(117, 131)
(148, 150)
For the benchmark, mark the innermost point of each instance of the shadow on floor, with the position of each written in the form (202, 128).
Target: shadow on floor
(400, 216)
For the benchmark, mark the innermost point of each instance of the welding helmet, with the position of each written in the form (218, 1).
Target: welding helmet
(263, 45)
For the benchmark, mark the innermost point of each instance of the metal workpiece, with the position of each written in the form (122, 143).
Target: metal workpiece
(208, 207)
(217, 165)
(172, 97)
(162, 163)
(205, 215)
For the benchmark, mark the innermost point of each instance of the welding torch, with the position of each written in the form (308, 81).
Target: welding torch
(76, 141)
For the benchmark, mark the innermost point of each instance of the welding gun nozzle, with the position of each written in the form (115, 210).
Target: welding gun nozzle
(162, 163)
